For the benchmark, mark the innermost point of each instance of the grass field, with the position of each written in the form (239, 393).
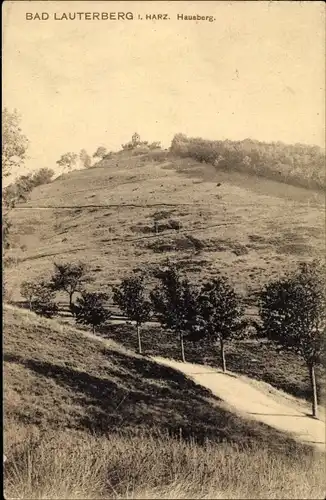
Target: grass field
(68, 465)
(248, 227)
(90, 419)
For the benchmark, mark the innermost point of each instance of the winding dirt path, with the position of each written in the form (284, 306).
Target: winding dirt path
(252, 400)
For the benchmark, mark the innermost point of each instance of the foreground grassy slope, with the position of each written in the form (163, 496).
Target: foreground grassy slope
(248, 227)
(56, 377)
(69, 465)
(86, 419)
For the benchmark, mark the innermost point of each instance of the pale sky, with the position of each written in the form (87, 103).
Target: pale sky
(257, 71)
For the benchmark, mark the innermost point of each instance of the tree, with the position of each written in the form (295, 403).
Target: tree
(14, 142)
(85, 158)
(41, 298)
(130, 297)
(29, 290)
(71, 278)
(100, 152)
(68, 160)
(90, 310)
(14, 149)
(6, 225)
(11, 195)
(221, 313)
(293, 313)
(179, 144)
(18, 191)
(175, 302)
(42, 176)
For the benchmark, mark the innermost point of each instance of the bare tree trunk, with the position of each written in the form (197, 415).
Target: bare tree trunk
(93, 328)
(139, 339)
(182, 348)
(30, 305)
(71, 304)
(314, 390)
(223, 355)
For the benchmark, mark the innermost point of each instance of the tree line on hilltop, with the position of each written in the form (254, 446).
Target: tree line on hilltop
(297, 164)
(70, 159)
(292, 309)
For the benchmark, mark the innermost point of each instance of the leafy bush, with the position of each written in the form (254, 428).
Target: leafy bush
(70, 277)
(178, 243)
(17, 191)
(85, 158)
(28, 290)
(130, 297)
(42, 176)
(101, 152)
(155, 145)
(175, 302)
(220, 313)
(128, 145)
(162, 214)
(41, 298)
(89, 309)
(68, 160)
(166, 225)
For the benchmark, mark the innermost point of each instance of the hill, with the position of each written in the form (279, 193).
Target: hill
(207, 220)
(89, 419)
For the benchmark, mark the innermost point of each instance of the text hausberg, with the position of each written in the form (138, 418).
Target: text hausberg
(197, 17)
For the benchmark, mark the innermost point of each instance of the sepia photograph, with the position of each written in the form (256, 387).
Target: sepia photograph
(163, 249)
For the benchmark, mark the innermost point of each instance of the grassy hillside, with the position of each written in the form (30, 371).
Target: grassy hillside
(58, 377)
(84, 419)
(209, 220)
